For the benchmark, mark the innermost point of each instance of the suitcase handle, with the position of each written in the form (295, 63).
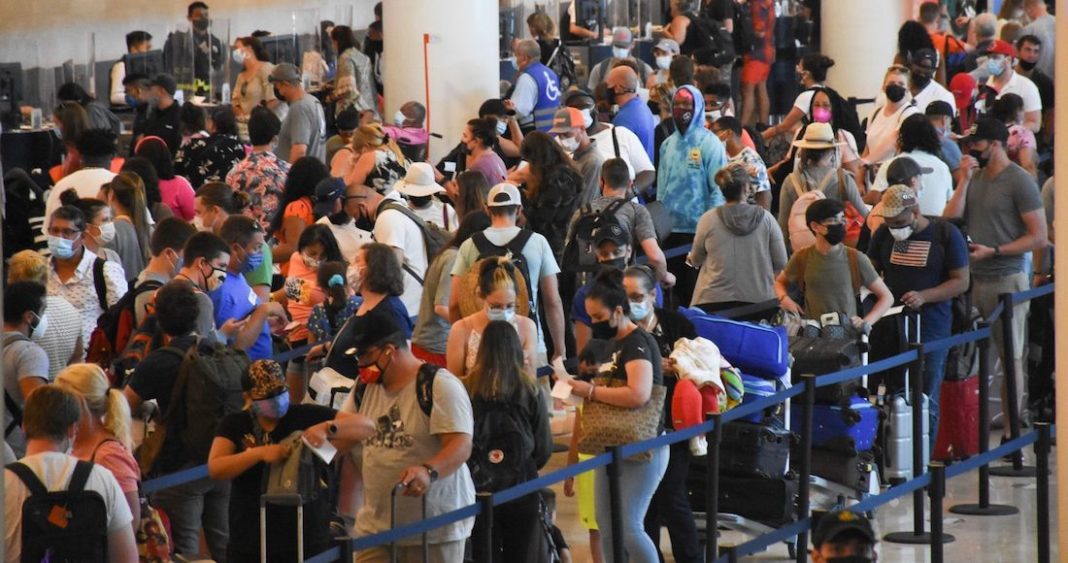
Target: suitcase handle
(282, 500)
(393, 521)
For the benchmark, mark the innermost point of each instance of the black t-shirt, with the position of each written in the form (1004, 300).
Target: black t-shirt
(154, 378)
(246, 490)
(638, 345)
(163, 123)
(1045, 89)
(719, 10)
(670, 327)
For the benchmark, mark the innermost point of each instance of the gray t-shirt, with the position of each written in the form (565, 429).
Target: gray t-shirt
(827, 279)
(406, 437)
(432, 332)
(992, 212)
(206, 318)
(144, 298)
(589, 164)
(22, 359)
(632, 216)
(126, 245)
(305, 124)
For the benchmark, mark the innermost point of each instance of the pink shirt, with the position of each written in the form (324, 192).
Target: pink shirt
(1020, 137)
(303, 293)
(178, 194)
(407, 135)
(114, 457)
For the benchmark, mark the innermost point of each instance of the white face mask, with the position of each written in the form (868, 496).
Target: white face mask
(238, 55)
(502, 127)
(107, 233)
(310, 262)
(587, 117)
(664, 62)
(42, 326)
(569, 145)
(620, 52)
(398, 118)
(902, 233)
(198, 224)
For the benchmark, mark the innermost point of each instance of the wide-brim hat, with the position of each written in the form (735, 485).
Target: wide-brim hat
(419, 181)
(818, 136)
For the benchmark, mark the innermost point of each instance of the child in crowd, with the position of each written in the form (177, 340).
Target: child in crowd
(559, 545)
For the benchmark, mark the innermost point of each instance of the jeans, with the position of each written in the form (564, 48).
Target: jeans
(204, 503)
(671, 507)
(517, 531)
(934, 366)
(638, 481)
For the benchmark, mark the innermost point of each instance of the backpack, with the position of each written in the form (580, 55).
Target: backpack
(579, 252)
(424, 388)
(153, 529)
(798, 226)
(563, 65)
(716, 45)
(144, 340)
(116, 324)
(9, 403)
(744, 34)
(434, 237)
(956, 62)
(502, 448)
(208, 387)
(63, 526)
(514, 250)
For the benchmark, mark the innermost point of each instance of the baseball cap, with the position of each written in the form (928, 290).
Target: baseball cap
(834, 523)
(263, 380)
(166, 82)
(347, 120)
(285, 72)
(667, 46)
(611, 232)
(986, 129)
(419, 181)
(370, 330)
(926, 58)
(622, 37)
(504, 194)
(999, 47)
(939, 108)
(903, 169)
(566, 119)
(896, 200)
(327, 191)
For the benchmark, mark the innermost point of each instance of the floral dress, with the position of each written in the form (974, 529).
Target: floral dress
(262, 176)
(208, 159)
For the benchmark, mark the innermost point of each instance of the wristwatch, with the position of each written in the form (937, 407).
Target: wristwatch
(431, 471)
(331, 430)
(997, 251)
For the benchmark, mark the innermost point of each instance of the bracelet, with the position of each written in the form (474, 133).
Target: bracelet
(589, 395)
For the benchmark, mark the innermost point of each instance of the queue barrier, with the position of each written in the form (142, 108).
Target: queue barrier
(933, 480)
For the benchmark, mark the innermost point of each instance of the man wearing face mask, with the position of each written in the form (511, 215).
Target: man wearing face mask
(25, 362)
(536, 95)
(622, 44)
(1029, 49)
(407, 127)
(570, 133)
(663, 52)
(137, 93)
(634, 114)
(415, 423)
(206, 49)
(235, 299)
(940, 114)
(924, 262)
(924, 89)
(168, 240)
(163, 112)
(136, 42)
(1000, 203)
(843, 537)
(205, 259)
(1004, 80)
(689, 160)
(303, 131)
(614, 142)
(421, 190)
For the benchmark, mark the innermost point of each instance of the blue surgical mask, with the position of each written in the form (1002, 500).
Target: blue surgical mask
(60, 247)
(639, 311)
(505, 315)
(273, 408)
(995, 66)
(252, 262)
(132, 101)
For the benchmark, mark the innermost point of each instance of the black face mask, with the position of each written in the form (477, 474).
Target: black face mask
(278, 94)
(895, 93)
(201, 24)
(921, 80)
(1024, 65)
(615, 263)
(363, 221)
(610, 96)
(420, 201)
(978, 156)
(603, 330)
(835, 234)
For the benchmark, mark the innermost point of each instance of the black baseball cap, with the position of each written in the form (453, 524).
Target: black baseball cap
(369, 331)
(986, 129)
(611, 232)
(925, 58)
(833, 524)
(166, 82)
(939, 108)
(327, 191)
(903, 169)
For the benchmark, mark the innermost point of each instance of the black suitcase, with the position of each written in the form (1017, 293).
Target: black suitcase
(819, 356)
(845, 468)
(754, 450)
(772, 502)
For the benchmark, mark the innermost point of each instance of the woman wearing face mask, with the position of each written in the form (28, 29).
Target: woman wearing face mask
(504, 392)
(1022, 146)
(302, 291)
(126, 196)
(251, 89)
(478, 141)
(99, 228)
(811, 73)
(104, 429)
(633, 376)
(885, 121)
(497, 290)
(377, 161)
(823, 108)
(297, 209)
(245, 444)
(74, 270)
(62, 338)
(175, 191)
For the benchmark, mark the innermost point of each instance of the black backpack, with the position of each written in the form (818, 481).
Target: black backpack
(514, 248)
(63, 526)
(563, 65)
(503, 447)
(434, 238)
(579, 251)
(715, 43)
(744, 34)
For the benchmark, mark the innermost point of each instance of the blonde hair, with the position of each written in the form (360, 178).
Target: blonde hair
(90, 383)
(541, 25)
(28, 265)
(372, 135)
(495, 274)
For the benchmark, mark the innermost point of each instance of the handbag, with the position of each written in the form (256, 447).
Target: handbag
(153, 532)
(605, 425)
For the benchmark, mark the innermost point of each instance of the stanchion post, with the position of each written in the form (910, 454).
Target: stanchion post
(804, 484)
(345, 545)
(484, 548)
(732, 555)
(1042, 447)
(937, 492)
(1008, 367)
(615, 502)
(916, 392)
(715, 440)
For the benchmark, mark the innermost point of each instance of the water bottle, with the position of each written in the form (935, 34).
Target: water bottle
(225, 93)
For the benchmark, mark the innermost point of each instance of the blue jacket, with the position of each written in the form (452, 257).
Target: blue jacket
(688, 164)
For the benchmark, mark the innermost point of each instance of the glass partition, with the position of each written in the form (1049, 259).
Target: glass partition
(211, 59)
(306, 29)
(179, 54)
(513, 20)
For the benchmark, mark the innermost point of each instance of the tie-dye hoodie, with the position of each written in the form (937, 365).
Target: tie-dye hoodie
(688, 164)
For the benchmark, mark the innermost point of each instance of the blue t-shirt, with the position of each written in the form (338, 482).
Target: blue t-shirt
(578, 304)
(234, 299)
(951, 153)
(920, 262)
(635, 116)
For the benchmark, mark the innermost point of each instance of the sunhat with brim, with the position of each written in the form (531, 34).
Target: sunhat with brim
(818, 136)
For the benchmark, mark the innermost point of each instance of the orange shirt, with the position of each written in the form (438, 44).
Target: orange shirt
(302, 293)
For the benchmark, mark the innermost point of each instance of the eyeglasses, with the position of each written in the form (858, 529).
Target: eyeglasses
(65, 233)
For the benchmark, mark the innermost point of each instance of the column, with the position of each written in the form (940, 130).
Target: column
(861, 37)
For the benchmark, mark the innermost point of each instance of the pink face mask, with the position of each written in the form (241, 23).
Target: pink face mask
(821, 115)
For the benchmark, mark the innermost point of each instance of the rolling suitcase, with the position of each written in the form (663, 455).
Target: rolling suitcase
(850, 429)
(958, 420)
(754, 450)
(819, 356)
(393, 552)
(772, 502)
(897, 447)
(281, 500)
(856, 470)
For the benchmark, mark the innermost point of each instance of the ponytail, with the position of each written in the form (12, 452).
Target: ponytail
(89, 383)
(117, 418)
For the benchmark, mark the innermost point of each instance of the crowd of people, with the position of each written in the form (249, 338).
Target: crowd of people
(440, 291)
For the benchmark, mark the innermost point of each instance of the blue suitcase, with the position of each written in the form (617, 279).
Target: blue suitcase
(757, 388)
(834, 427)
(754, 349)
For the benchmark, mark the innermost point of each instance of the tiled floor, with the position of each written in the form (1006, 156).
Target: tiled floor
(991, 539)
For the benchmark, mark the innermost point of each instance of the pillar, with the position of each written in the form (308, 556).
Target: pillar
(461, 56)
(861, 37)
(1061, 299)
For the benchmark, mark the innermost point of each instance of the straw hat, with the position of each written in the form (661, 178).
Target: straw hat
(817, 136)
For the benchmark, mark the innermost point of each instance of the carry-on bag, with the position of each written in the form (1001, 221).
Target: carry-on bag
(754, 450)
(849, 429)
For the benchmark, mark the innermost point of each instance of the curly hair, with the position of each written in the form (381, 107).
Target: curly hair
(382, 271)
